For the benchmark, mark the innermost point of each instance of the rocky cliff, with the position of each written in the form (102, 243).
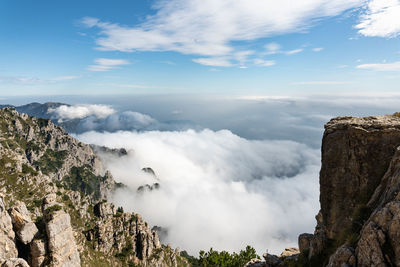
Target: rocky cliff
(53, 204)
(359, 220)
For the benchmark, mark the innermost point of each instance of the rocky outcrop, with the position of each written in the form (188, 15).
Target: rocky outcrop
(128, 236)
(61, 242)
(356, 153)
(55, 188)
(7, 235)
(304, 242)
(22, 222)
(359, 220)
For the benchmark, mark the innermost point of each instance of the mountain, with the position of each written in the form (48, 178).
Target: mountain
(36, 109)
(53, 203)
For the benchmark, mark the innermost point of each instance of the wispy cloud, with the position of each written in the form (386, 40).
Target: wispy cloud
(321, 83)
(294, 51)
(214, 61)
(264, 63)
(394, 66)
(318, 49)
(65, 78)
(107, 64)
(209, 28)
(381, 19)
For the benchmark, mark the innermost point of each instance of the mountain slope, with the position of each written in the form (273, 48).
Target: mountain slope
(49, 179)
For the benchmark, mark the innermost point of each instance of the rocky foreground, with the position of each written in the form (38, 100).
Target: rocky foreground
(53, 204)
(359, 220)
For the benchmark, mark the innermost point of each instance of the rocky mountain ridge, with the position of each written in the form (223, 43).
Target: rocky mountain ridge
(53, 204)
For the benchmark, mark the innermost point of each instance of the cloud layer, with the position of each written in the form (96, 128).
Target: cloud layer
(209, 27)
(217, 189)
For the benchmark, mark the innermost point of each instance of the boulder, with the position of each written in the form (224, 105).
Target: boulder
(22, 222)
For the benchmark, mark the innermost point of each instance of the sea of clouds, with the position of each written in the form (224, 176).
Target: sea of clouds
(232, 171)
(216, 189)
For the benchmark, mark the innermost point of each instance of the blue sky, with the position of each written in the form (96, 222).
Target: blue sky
(209, 47)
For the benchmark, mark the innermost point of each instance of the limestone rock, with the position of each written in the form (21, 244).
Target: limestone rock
(380, 237)
(7, 235)
(21, 219)
(288, 252)
(38, 252)
(305, 242)
(343, 257)
(256, 263)
(13, 262)
(61, 242)
(356, 153)
(272, 260)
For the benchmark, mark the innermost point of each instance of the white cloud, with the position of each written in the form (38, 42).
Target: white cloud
(318, 49)
(272, 48)
(264, 63)
(294, 51)
(381, 19)
(217, 189)
(65, 112)
(208, 27)
(321, 83)
(106, 64)
(214, 61)
(65, 78)
(394, 66)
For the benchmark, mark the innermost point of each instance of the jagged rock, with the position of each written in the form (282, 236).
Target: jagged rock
(343, 257)
(149, 171)
(21, 219)
(305, 242)
(7, 235)
(380, 237)
(61, 242)
(13, 262)
(288, 252)
(104, 209)
(272, 260)
(256, 263)
(38, 252)
(147, 187)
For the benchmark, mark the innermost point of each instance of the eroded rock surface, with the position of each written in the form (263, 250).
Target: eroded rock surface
(21, 219)
(61, 243)
(7, 235)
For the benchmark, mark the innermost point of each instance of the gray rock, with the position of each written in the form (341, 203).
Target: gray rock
(7, 235)
(61, 241)
(343, 257)
(13, 262)
(38, 252)
(305, 242)
(22, 222)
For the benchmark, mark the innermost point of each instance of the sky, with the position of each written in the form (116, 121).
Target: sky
(245, 47)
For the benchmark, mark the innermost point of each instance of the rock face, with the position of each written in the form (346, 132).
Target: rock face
(359, 183)
(7, 235)
(356, 153)
(60, 238)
